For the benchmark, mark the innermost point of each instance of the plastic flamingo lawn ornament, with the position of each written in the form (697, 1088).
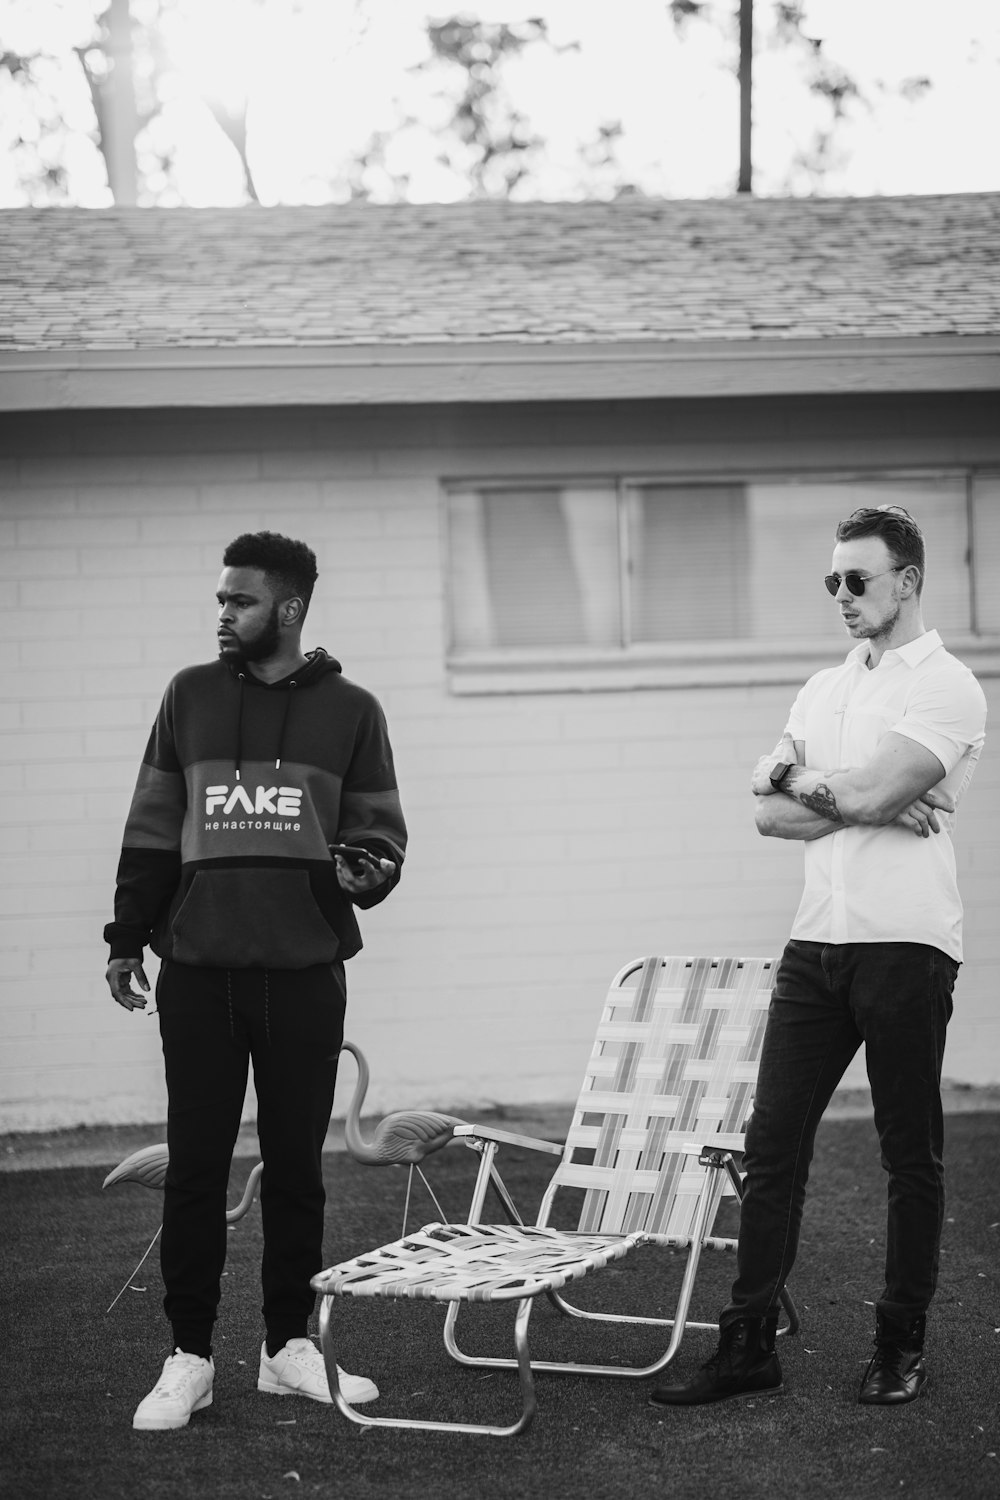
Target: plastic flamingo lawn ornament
(401, 1139)
(148, 1167)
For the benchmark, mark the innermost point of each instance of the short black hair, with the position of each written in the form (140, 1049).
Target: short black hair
(896, 527)
(290, 566)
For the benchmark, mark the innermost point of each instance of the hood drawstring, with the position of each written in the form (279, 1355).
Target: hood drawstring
(239, 724)
(284, 723)
(239, 727)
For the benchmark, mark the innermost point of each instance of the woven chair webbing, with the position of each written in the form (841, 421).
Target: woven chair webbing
(675, 1061)
(473, 1263)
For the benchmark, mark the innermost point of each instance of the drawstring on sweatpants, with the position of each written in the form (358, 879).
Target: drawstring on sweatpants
(267, 1007)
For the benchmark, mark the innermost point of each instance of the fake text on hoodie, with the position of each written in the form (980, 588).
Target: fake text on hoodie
(225, 860)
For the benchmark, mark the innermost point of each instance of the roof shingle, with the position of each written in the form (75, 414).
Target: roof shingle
(739, 269)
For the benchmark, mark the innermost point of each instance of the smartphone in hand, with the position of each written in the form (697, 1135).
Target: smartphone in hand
(355, 857)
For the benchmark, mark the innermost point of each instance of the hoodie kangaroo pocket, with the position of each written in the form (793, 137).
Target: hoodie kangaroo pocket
(249, 918)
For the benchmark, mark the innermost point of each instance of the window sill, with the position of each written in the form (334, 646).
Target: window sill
(723, 664)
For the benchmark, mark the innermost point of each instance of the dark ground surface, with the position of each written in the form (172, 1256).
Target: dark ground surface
(73, 1373)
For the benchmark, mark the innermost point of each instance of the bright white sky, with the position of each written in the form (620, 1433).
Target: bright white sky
(319, 80)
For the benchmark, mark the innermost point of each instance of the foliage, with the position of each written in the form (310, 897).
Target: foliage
(91, 114)
(488, 141)
(115, 59)
(67, 105)
(783, 27)
(44, 97)
(485, 120)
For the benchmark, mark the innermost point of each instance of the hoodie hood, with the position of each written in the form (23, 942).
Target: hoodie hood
(317, 664)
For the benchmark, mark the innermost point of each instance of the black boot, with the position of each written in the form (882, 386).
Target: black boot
(896, 1371)
(744, 1364)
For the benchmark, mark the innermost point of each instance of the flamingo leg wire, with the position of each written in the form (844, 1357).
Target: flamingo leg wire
(413, 1167)
(509, 1206)
(139, 1267)
(406, 1204)
(441, 1213)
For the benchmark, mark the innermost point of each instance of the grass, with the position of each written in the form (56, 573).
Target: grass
(72, 1373)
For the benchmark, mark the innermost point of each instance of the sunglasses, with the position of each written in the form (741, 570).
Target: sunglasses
(856, 581)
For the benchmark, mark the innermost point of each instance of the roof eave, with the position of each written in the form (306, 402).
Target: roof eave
(359, 374)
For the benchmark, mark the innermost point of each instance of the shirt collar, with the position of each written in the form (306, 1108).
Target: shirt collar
(913, 653)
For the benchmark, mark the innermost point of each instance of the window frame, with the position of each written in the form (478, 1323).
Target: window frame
(688, 664)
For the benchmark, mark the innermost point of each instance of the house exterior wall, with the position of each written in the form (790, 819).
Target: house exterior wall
(554, 835)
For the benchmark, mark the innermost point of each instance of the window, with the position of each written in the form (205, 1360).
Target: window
(553, 578)
(535, 567)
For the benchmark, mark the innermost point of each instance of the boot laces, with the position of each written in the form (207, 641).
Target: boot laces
(891, 1355)
(731, 1346)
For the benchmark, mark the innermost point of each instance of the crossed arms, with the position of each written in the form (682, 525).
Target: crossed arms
(898, 785)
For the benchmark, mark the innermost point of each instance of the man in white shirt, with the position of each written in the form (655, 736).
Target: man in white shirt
(873, 761)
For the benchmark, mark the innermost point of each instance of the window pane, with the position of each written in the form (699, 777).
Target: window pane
(792, 527)
(540, 566)
(747, 562)
(986, 532)
(688, 550)
(534, 567)
(939, 507)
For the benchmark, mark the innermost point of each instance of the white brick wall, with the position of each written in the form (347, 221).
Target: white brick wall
(553, 836)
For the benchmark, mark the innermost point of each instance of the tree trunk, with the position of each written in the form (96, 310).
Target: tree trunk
(118, 117)
(744, 185)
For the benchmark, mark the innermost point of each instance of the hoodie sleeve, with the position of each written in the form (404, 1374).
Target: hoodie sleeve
(150, 863)
(370, 812)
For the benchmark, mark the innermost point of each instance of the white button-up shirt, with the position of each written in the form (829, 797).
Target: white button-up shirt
(883, 885)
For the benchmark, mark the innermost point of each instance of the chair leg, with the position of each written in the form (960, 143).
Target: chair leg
(522, 1362)
(487, 1176)
(792, 1312)
(677, 1324)
(570, 1310)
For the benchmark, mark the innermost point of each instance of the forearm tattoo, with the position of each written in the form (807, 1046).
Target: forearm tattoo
(822, 801)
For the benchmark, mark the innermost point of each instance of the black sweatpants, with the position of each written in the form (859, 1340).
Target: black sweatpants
(212, 1022)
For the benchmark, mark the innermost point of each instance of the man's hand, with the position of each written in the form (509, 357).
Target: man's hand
(921, 816)
(760, 781)
(363, 876)
(119, 977)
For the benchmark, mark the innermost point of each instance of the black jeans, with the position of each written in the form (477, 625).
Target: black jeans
(212, 1021)
(828, 999)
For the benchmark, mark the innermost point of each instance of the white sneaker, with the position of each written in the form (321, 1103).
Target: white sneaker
(184, 1386)
(298, 1370)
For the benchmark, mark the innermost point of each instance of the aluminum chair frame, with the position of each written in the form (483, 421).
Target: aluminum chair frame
(705, 1018)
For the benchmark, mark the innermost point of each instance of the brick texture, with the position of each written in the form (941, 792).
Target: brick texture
(554, 836)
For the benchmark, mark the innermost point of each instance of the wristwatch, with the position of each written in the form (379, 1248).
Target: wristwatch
(779, 771)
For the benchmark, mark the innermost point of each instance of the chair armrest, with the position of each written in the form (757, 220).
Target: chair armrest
(506, 1138)
(732, 1141)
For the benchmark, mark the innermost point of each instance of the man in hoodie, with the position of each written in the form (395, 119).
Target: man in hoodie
(257, 764)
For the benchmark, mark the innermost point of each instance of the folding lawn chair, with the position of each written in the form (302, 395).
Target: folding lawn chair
(663, 1107)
